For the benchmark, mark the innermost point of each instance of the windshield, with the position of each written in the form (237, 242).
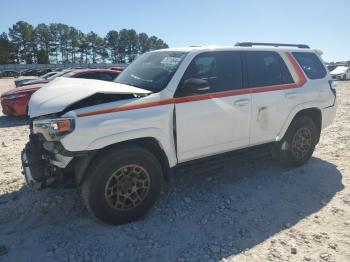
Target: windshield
(152, 71)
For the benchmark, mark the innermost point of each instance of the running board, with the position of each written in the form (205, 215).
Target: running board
(217, 163)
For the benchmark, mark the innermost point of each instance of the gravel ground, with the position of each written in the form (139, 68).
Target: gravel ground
(249, 211)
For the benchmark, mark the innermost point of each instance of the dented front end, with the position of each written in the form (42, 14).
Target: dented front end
(42, 162)
(52, 110)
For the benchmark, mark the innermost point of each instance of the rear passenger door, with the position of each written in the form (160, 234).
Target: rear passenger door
(217, 118)
(272, 99)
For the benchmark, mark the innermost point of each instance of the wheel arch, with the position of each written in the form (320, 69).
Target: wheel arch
(149, 143)
(314, 113)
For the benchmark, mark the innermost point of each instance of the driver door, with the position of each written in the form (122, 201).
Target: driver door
(214, 118)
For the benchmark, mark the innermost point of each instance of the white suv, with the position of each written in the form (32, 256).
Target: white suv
(119, 140)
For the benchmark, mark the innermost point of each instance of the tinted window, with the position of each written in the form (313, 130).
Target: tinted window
(266, 69)
(105, 76)
(112, 75)
(222, 70)
(311, 65)
(92, 75)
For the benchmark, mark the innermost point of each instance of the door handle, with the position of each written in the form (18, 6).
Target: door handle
(291, 95)
(241, 102)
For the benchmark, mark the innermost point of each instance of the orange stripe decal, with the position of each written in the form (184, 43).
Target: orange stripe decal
(299, 83)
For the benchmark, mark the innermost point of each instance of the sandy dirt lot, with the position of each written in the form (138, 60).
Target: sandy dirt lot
(250, 211)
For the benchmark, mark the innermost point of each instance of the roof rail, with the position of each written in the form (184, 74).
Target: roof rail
(250, 44)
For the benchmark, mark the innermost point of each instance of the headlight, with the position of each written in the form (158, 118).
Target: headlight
(11, 97)
(53, 129)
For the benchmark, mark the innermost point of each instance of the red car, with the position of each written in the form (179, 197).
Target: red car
(15, 102)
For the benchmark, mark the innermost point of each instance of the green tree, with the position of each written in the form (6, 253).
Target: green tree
(132, 45)
(22, 35)
(112, 42)
(43, 41)
(143, 43)
(7, 50)
(54, 43)
(60, 43)
(74, 42)
(156, 43)
(63, 39)
(83, 48)
(96, 47)
(122, 46)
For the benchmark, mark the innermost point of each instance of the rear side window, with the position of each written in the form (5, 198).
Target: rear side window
(90, 75)
(266, 69)
(222, 70)
(105, 76)
(311, 65)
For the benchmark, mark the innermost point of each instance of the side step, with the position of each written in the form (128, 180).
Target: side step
(217, 163)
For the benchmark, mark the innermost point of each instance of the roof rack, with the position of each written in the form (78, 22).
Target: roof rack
(250, 44)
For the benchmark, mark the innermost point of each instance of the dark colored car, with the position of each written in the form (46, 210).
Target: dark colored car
(9, 73)
(30, 81)
(42, 80)
(44, 71)
(15, 102)
(30, 72)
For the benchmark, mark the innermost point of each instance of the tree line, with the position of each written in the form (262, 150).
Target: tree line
(60, 43)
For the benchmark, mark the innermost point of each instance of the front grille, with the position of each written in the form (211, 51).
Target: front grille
(31, 126)
(36, 146)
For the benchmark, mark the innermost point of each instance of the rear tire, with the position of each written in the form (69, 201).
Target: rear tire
(122, 184)
(298, 144)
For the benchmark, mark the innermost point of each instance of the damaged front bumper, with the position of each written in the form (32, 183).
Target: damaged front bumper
(41, 167)
(32, 175)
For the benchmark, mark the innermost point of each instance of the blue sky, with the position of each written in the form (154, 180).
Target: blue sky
(323, 24)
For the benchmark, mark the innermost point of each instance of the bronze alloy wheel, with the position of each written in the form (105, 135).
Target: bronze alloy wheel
(127, 187)
(301, 142)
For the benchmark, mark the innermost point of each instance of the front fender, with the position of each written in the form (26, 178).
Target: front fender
(155, 133)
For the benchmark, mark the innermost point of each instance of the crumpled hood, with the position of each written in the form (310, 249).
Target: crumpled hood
(55, 96)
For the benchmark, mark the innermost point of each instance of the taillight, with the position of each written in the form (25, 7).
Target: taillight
(332, 86)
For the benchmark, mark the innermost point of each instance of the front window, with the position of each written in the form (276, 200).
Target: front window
(152, 71)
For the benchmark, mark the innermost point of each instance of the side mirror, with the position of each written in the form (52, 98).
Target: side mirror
(195, 86)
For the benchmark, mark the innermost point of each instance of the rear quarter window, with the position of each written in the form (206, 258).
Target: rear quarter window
(266, 68)
(311, 65)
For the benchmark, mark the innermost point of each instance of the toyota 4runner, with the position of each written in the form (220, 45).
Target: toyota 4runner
(119, 140)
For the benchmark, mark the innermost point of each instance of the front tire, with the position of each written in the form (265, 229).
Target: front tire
(298, 144)
(122, 185)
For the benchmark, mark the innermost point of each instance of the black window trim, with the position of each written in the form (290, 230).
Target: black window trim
(247, 86)
(306, 73)
(244, 79)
